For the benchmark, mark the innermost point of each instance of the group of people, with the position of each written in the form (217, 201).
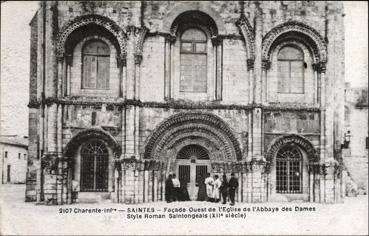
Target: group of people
(210, 189)
(175, 190)
(217, 189)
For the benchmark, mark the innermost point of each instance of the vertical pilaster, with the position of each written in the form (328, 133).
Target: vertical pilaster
(131, 69)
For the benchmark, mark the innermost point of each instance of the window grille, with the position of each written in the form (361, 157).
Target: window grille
(193, 152)
(94, 167)
(289, 170)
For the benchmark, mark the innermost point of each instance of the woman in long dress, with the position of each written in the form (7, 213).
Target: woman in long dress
(184, 192)
(201, 195)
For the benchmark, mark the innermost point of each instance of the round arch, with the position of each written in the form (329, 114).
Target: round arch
(298, 140)
(95, 133)
(184, 126)
(193, 7)
(298, 31)
(103, 22)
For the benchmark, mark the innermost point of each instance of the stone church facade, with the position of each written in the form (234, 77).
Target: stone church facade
(124, 93)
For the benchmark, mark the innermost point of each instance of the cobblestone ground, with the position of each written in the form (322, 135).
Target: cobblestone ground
(20, 218)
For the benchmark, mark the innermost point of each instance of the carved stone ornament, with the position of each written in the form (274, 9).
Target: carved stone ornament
(84, 20)
(302, 142)
(248, 34)
(309, 35)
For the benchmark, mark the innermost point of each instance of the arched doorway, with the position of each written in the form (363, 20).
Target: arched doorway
(94, 167)
(192, 164)
(290, 157)
(289, 170)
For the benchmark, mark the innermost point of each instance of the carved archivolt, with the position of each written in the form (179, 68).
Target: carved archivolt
(194, 19)
(249, 36)
(102, 21)
(296, 30)
(193, 124)
(298, 140)
(183, 8)
(96, 133)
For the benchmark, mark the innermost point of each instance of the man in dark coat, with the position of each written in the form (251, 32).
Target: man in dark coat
(169, 189)
(224, 189)
(233, 185)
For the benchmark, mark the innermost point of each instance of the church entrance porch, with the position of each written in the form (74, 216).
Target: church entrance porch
(192, 165)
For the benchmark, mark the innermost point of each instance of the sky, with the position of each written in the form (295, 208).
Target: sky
(15, 34)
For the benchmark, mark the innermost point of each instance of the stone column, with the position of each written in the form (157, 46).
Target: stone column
(218, 72)
(138, 59)
(60, 60)
(129, 131)
(169, 40)
(131, 68)
(321, 68)
(68, 74)
(122, 65)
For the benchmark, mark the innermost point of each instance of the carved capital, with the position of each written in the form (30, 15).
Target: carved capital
(265, 64)
(216, 40)
(60, 57)
(250, 64)
(121, 61)
(34, 103)
(320, 67)
(138, 59)
(69, 59)
(171, 38)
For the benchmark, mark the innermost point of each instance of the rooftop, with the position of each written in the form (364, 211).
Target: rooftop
(14, 140)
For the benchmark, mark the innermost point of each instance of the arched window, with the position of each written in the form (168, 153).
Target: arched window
(193, 61)
(291, 68)
(95, 65)
(289, 170)
(94, 167)
(193, 152)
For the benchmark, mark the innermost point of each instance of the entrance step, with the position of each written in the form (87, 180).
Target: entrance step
(92, 197)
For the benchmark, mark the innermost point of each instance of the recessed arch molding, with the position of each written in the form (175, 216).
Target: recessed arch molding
(299, 31)
(87, 134)
(91, 19)
(296, 139)
(209, 125)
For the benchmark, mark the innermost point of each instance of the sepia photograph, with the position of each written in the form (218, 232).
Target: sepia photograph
(184, 118)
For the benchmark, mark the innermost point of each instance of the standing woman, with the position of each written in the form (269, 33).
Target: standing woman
(169, 189)
(201, 195)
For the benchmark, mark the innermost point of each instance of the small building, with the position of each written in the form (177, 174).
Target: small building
(14, 152)
(355, 145)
